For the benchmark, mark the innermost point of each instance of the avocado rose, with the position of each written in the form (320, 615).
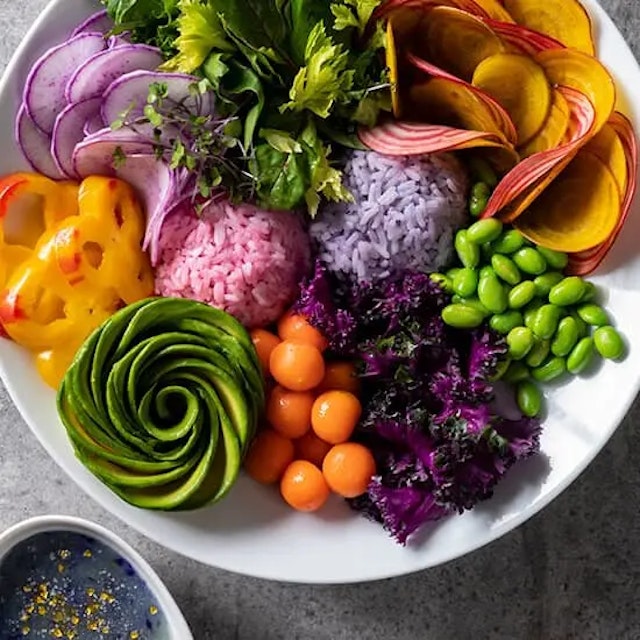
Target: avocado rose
(162, 401)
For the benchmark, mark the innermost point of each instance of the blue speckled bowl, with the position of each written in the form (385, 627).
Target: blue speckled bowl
(67, 577)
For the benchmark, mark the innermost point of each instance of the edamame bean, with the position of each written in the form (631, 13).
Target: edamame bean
(468, 252)
(465, 282)
(501, 369)
(484, 230)
(567, 292)
(538, 353)
(529, 399)
(546, 321)
(550, 370)
(471, 302)
(491, 293)
(483, 172)
(555, 259)
(506, 269)
(462, 316)
(443, 281)
(545, 282)
(522, 294)
(581, 355)
(510, 242)
(583, 327)
(566, 337)
(530, 261)
(504, 322)
(590, 292)
(480, 193)
(608, 342)
(593, 314)
(520, 342)
(451, 273)
(530, 312)
(517, 372)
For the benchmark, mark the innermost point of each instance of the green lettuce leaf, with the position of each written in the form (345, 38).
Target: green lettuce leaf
(353, 14)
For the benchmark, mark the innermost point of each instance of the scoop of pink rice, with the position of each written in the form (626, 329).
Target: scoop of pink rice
(240, 259)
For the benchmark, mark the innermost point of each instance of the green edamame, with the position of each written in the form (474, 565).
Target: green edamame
(581, 355)
(504, 322)
(483, 172)
(608, 343)
(462, 316)
(530, 261)
(590, 292)
(510, 242)
(480, 193)
(520, 341)
(517, 372)
(501, 369)
(552, 369)
(538, 353)
(546, 321)
(568, 292)
(593, 314)
(522, 294)
(443, 281)
(468, 252)
(506, 269)
(529, 398)
(545, 282)
(555, 259)
(531, 311)
(451, 273)
(491, 293)
(465, 282)
(566, 337)
(583, 327)
(471, 302)
(484, 230)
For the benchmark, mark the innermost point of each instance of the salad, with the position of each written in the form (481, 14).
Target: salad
(341, 245)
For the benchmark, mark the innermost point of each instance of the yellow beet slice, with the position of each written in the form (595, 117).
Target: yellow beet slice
(608, 148)
(456, 41)
(564, 20)
(553, 130)
(578, 211)
(582, 72)
(520, 85)
(450, 102)
(495, 10)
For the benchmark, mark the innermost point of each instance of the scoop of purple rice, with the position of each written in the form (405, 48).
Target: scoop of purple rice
(404, 214)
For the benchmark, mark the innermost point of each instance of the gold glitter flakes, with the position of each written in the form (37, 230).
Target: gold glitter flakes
(153, 610)
(87, 553)
(64, 554)
(134, 635)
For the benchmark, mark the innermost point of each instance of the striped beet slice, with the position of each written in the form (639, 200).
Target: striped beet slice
(525, 40)
(585, 262)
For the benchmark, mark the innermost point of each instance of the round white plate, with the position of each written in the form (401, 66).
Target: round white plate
(252, 531)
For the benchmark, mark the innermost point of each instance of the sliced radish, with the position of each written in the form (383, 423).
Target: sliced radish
(99, 22)
(93, 124)
(94, 76)
(129, 93)
(35, 145)
(44, 94)
(117, 41)
(585, 262)
(406, 138)
(68, 131)
(526, 40)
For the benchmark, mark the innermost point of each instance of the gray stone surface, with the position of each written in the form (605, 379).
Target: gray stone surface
(570, 572)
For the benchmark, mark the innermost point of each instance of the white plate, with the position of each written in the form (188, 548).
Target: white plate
(252, 531)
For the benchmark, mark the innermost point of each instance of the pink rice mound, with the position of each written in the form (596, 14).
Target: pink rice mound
(241, 259)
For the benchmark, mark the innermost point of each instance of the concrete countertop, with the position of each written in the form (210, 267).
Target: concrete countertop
(571, 572)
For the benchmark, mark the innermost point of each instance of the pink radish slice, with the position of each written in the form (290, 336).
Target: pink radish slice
(35, 145)
(405, 138)
(95, 75)
(133, 89)
(95, 154)
(68, 131)
(99, 22)
(539, 165)
(44, 94)
(117, 41)
(585, 262)
(526, 40)
(93, 124)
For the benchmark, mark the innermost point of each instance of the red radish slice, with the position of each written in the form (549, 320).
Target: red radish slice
(540, 165)
(94, 76)
(585, 262)
(93, 124)
(406, 138)
(527, 41)
(129, 93)
(99, 22)
(500, 116)
(68, 131)
(117, 41)
(35, 145)
(45, 86)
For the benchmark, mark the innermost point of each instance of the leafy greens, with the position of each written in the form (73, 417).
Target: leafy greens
(298, 76)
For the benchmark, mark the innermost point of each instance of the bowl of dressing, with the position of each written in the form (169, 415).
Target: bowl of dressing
(65, 577)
